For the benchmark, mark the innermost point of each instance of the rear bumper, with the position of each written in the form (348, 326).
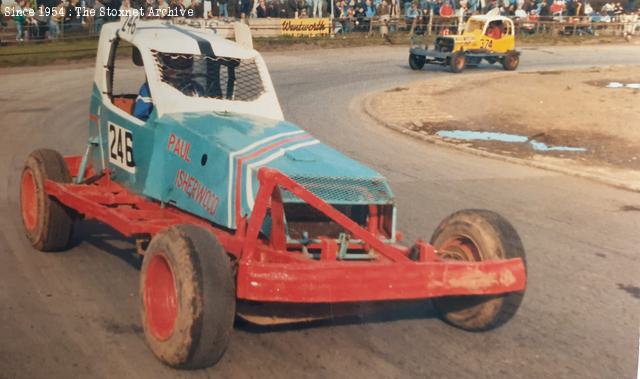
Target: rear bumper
(361, 281)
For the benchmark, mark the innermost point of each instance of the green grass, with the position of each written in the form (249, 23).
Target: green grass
(44, 53)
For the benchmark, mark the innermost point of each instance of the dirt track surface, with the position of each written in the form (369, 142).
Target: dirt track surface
(558, 107)
(74, 314)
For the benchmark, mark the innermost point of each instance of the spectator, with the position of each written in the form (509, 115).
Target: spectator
(412, 11)
(292, 8)
(383, 9)
(195, 9)
(177, 6)
(233, 7)
(360, 17)
(57, 15)
(206, 8)
(262, 11)
(473, 6)
(125, 8)
(309, 7)
(2, 23)
(100, 18)
(317, 8)
(394, 9)
(282, 8)
(245, 8)
(618, 10)
(163, 8)
(274, 7)
(19, 20)
(588, 10)
(301, 8)
(345, 13)
(223, 10)
(370, 10)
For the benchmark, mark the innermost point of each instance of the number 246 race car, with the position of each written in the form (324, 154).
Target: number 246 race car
(238, 213)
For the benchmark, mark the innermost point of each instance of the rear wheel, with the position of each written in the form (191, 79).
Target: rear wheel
(457, 62)
(477, 235)
(416, 62)
(187, 297)
(510, 61)
(47, 223)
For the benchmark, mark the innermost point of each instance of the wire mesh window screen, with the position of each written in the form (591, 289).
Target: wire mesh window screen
(344, 190)
(211, 77)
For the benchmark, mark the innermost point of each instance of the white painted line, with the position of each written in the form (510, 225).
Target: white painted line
(232, 157)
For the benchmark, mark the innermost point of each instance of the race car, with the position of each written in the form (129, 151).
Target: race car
(238, 212)
(490, 37)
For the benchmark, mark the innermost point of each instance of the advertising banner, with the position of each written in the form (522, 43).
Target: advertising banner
(305, 27)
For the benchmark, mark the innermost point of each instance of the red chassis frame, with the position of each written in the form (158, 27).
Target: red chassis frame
(272, 270)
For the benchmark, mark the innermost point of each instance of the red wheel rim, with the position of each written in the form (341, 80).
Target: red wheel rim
(29, 200)
(460, 248)
(160, 296)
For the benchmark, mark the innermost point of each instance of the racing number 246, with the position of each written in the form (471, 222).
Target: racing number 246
(121, 148)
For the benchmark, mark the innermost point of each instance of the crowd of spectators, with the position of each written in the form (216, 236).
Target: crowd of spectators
(54, 16)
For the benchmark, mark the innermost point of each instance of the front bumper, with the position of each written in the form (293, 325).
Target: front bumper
(330, 282)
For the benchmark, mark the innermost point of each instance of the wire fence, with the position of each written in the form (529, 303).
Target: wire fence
(426, 24)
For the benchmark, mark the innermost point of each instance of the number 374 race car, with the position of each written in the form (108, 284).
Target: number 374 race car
(239, 213)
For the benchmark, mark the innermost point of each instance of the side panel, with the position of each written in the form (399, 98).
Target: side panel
(188, 172)
(121, 143)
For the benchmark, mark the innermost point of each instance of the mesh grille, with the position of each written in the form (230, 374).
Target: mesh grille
(339, 190)
(211, 77)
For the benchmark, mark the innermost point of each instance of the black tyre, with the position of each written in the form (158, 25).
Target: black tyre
(510, 61)
(416, 62)
(457, 62)
(47, 223)
(187, 297)
(477, 235)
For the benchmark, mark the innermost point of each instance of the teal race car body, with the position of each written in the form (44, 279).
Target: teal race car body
(206, 162)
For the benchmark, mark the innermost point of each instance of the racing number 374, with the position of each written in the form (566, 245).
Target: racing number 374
(486, 43)
(121, 148)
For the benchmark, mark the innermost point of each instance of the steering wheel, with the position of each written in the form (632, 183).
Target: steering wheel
(193, 88)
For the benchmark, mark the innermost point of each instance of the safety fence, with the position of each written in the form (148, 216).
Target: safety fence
(425, 24)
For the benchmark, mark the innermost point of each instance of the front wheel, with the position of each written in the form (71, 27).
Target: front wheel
(477, 235)
(457, 62)
(510, 61)
(187, 297)
(416, 62)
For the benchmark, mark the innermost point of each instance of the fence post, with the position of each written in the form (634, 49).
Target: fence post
(331, 20)
(430, 20)
(413, 26)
